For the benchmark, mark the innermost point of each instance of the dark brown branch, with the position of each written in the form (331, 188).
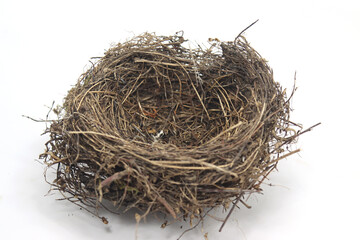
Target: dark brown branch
(245, 30)
(230, 212)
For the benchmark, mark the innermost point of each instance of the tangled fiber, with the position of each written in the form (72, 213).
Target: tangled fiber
(157, 126)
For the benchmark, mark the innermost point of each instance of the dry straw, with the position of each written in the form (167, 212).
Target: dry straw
(157, 126)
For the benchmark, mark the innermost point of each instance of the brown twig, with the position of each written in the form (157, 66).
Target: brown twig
(245, 30)
(230, 212)
(114, 177)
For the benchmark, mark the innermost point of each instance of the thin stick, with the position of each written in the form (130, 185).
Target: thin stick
(52, 106)
(245, 30)
(230, 212)
(197, 224)
(309, 129)
(36, 120)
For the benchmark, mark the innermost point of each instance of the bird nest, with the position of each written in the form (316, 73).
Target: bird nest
(159, 126)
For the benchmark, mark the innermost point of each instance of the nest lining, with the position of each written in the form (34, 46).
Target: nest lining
(158, 126)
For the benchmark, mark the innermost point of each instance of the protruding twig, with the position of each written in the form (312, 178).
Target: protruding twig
(230, 212)
(197, 224)
(36, 120)
(245, 30)
(308, 129)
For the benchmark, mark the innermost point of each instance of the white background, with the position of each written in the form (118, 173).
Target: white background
(46, 45)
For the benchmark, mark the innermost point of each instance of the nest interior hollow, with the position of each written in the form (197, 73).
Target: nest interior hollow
(159, 126)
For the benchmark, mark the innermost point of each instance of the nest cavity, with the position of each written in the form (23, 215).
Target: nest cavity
(160, 126)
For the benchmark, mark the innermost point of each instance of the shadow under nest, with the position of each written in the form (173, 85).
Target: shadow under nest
(158, 126)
